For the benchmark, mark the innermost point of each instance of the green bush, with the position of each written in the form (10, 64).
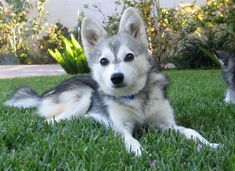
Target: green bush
(18, 27)
(52, 40)
(201, 29)
(195, 54)
(71, 58)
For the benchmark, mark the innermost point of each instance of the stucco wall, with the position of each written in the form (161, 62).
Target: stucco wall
(65, 11)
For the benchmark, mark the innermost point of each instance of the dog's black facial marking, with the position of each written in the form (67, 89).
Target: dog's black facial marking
(114, 45)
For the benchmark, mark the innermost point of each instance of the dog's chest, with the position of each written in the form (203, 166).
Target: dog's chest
(145, 105)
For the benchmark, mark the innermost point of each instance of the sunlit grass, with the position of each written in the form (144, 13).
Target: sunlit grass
(28, 143)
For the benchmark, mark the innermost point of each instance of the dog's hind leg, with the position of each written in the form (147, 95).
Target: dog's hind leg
(75, 109)
(67, 108)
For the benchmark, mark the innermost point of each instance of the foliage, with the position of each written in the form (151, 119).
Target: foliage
(201, 29)
(27, 142)
(71, 57)
(17, 26)
(110, 22)
(52, 40)
(195, 54)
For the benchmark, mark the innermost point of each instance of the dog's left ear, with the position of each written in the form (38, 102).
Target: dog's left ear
(132, 24)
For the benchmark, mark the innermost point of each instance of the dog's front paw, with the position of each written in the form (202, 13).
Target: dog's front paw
(133, 146)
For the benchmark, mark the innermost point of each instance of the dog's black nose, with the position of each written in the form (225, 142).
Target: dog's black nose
(117, 78)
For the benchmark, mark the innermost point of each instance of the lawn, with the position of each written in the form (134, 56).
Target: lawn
(29, 143)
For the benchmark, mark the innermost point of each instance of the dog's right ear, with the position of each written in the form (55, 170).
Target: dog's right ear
(91, 31)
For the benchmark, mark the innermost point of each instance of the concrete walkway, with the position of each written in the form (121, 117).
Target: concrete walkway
(12, 71)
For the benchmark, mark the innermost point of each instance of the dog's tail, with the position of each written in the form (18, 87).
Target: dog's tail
(24, 97)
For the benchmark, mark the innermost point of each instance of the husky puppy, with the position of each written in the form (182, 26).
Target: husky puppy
(124, 91)
(227, 61)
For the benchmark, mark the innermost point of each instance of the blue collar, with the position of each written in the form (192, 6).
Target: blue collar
(131, 97)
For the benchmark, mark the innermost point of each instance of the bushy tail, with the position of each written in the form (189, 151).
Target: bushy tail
(24, 97)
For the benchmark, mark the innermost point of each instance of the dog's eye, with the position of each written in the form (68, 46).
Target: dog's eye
(129, 57)
(104, 61)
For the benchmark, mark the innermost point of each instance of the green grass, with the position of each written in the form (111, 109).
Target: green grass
(28, 143)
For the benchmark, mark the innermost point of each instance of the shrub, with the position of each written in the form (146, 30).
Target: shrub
(17, 27)
(52, 40)
(206, 27)
(71, 57)
(195, 54)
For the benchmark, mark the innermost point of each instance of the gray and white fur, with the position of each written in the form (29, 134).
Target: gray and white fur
(227, 61)
(124, 91)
